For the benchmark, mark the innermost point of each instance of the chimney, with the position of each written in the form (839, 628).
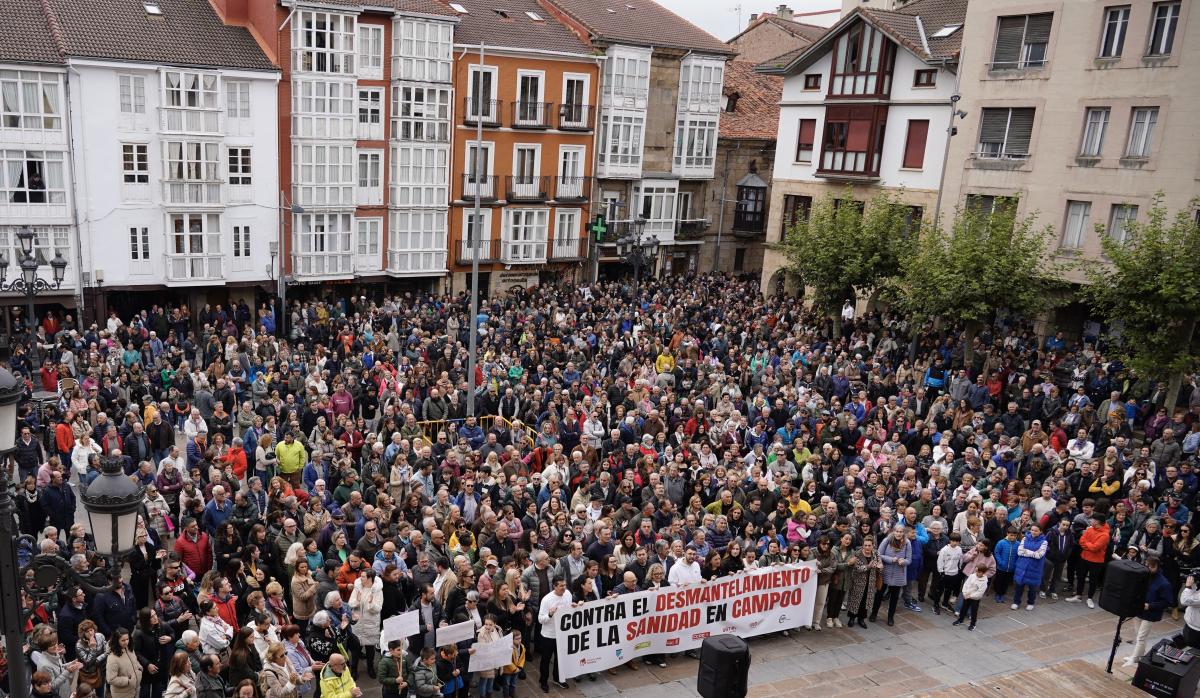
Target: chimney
(753, 17)
(783, 12)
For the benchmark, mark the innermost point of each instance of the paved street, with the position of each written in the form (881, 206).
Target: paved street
(923, 654)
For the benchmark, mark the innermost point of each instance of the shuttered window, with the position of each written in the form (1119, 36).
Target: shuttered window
(1021, 41)
(914, 145)
(1005, 133)
(804, 145)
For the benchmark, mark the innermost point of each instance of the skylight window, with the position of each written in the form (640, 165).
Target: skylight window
(609, 9)
(946, 31)
(459, 8)
(502, 13)
(534, 16)
(152, 7)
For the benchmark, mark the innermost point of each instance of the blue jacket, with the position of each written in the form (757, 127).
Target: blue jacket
(1158, 597)
(474, 435)
(59, 505)
(1029, 566)
(1006, 555)
(214, 516)
(110, 611)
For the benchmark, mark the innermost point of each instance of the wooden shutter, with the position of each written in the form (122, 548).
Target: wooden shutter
(808, 129)
(914, 146)
(859, 135)
(1009, 34)
(1020, 132)
(1037, 31)
(993, 125)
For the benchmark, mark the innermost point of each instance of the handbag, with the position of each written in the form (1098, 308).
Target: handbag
(878, 581)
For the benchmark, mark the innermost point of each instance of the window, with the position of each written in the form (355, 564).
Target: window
(323, 174)
(695, 144)
(914, 144)
(795, 209)
(133, 94)
(422, 50)
(323, 42)
(986, 204)
(812, 81)
(804, 143)
(370, 177)
(191, 160)
(525, 234)
(1094, 125)
(419, 175)
(370, 51)
(1162, 28)
(683, 209)
(1076, 226)
(139, 244)
(479, 162)
(477, 232)
(135, 163)
(573, 112)
(627, 76)
(1141, 132)
(49, 241)
(241, 241)
(1005, 133)
(237, 99)
(862, 62)
(1021, 41)
(1121, 221)
(529, 110)
(417, 241)
(1116, 23)
(700, 84)
(620, 140)
(195, 234)
(853, 142)
(323, 244)
(185, 90)
(925, 78)
(913, 215)
(739, 259)
(239, 166)
(368, 239)
(323, 109)
(751, 202)
(421, 114)
(32, 177)
(30, 100)
(566, 234)
(481, 101)
(370, 114)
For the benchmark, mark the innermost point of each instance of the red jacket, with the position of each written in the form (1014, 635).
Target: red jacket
(236, 456)
(196, 555)
(1093, 543)
(227, 609)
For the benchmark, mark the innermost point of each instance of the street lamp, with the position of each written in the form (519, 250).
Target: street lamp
(638, 250)
(112, 503)
(295, 210)
(28, 282)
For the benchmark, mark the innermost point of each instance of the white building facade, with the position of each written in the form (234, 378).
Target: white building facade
(179, 174)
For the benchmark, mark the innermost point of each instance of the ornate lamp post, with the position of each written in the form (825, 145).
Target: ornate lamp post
(112, 503)
(638, 250)
(29, 283)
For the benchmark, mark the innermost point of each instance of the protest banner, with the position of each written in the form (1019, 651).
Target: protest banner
(491, 655)
(450, 634)
(401, 626)
(603, 634)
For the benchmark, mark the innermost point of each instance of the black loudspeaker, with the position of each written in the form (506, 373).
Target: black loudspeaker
(724, 667)
(1125, 585)
(1162, 677)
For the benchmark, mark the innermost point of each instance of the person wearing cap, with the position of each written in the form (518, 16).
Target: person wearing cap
(1174, 508)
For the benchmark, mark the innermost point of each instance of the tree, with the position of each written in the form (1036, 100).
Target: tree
(844, 249)
(988, 259)
(1152, 286)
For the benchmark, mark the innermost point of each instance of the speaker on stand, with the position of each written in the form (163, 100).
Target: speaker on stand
(1123, 595)
(724, 667)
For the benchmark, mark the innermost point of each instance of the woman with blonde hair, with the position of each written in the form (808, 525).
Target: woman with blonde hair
(278, 679)
(182, 683)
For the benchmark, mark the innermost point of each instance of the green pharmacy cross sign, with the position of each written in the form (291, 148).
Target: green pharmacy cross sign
(599, 228)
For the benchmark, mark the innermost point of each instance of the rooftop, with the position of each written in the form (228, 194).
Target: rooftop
(512, 24)
(640, 23)
(756, 111)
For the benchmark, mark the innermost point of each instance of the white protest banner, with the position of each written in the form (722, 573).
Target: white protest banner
(401, 626)
(492, 655)
(604, 634)
(450, 634)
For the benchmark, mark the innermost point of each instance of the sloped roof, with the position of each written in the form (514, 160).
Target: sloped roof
(187, 33)
(811, 32)
(756, 112)
(902, 26)
(640, 23)
(422, 7)
(25, 34)
(483, 24)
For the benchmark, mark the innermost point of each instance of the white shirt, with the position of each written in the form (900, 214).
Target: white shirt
(683, 573)
(1190, 600)
(550, 602)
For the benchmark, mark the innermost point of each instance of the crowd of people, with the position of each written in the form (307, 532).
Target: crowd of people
(301, 487)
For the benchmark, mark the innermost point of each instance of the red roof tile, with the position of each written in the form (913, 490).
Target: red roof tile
(756, 111)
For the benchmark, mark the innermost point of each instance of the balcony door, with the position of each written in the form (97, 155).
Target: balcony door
(529, 96)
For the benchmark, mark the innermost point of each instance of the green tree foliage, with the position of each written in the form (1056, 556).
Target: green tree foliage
(1152, 286)
(986, 260)
(844, 249)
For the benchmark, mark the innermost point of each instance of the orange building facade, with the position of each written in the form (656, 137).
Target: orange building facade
(532, 170)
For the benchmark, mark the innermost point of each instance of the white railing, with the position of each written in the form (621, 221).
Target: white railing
(195, 267)
(324, 263)
(484, 248)
(192, 192)
(565, 247)
(524, 252)
(189, 120)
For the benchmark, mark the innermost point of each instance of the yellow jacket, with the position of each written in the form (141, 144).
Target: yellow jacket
(291, 458)
(335, 686)
(665, 363)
